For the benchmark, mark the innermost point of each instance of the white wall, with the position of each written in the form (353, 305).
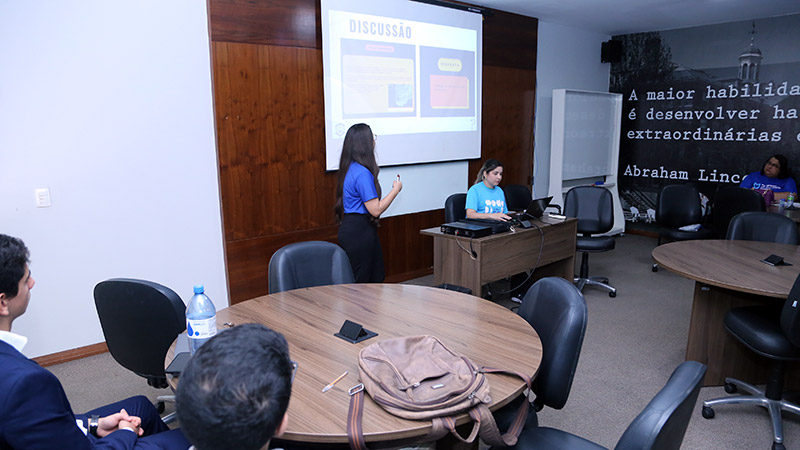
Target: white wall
(567, 58)
(108, 104)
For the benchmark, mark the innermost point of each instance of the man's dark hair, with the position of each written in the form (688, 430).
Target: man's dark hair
(235, 389)
(13, 257)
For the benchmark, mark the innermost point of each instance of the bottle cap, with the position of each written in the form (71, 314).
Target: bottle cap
(198, 289)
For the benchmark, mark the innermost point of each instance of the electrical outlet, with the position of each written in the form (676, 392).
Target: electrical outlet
(42, 197)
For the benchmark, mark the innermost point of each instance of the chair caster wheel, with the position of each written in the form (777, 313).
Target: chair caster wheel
(160, 406)
(730, 388)
(708, 412)
(612, 294)
(776, 446)
(655, 268)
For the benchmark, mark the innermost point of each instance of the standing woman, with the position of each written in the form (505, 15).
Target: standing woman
(485, 199)
(359, 204)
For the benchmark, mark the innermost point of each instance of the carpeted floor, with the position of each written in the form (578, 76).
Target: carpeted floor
(632, 344)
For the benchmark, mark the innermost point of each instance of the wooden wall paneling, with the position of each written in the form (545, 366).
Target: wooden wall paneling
(237, 140)
(507, 133)
(248, 259)
(510, 40)
(406, 253)
(269, 110)
(290, 23)
(299, 192)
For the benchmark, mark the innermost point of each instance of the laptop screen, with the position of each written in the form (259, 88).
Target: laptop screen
(537, 206)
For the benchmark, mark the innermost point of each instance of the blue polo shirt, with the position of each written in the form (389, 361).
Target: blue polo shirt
(358, 187)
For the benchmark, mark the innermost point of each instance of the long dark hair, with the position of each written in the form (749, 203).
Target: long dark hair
(488, 166)
(784, 171)
(358, 146)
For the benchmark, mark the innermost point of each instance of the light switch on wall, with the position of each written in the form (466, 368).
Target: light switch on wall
(42, 197)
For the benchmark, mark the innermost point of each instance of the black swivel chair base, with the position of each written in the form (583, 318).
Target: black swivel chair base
(160, 405)
(585, 280)
(756, 397)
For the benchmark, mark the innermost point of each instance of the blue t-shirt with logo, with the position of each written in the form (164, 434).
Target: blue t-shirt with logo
(485, 200)
(757, 181)
(358, 187)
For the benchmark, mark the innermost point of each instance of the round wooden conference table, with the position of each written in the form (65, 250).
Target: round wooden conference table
(486, 332)
(729, 274)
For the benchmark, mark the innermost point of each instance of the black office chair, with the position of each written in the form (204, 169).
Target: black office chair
(594, 208)
(678, 205)
(774, 333)
(518, 197)
(454, 208)
(140, 320)
(308, 264)
(762, 226)
(661, 426)
(730, 201)
(556, 309)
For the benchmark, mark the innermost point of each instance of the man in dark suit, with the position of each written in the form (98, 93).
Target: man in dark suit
(34, 411)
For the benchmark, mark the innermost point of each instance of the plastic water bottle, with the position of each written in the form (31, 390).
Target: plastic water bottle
(201, 319)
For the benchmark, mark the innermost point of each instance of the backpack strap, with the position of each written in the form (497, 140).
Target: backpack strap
(490, 433)
(355, 435)
(450, 425)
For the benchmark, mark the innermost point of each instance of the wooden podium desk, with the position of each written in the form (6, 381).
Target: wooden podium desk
(504, 254)
(729, 274)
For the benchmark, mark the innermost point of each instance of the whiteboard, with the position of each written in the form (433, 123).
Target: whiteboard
(584, 148)
(591, 124)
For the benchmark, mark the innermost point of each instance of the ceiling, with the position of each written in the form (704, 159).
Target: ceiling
(613, 17)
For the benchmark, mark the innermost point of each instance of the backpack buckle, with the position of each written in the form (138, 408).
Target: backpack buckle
(356, 389)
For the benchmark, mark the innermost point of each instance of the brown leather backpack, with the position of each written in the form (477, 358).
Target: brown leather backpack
(419, 378)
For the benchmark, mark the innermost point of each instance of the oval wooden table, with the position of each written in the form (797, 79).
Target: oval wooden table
(729, 274)
(487, 333)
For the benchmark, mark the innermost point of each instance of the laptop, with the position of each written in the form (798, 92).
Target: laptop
(535, 209)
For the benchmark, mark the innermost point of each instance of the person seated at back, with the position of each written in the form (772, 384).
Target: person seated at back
(485, 199)
(34, 410)
(234, 392)
(775, 176)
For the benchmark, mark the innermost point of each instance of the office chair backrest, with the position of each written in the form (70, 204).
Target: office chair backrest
(140, 320)
(556, 309)
(790, 320)
(762, 226)
(518, 197)
(454, 208)
(730, 201)
(593, 206)
(662, 425)
(308, 264)
(678, 205)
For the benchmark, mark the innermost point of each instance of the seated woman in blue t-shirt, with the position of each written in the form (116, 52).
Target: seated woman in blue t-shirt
(485, 199)
(774, 176)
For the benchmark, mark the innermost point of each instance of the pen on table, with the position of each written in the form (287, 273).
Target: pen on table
(338, 379)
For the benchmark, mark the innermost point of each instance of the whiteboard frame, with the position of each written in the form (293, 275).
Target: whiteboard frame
(559, 186)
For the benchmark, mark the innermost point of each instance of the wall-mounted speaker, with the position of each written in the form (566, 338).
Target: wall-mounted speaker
(611, 52)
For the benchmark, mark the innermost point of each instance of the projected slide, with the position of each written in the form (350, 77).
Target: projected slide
(412, 71)
(447, 77)
(378, 79)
